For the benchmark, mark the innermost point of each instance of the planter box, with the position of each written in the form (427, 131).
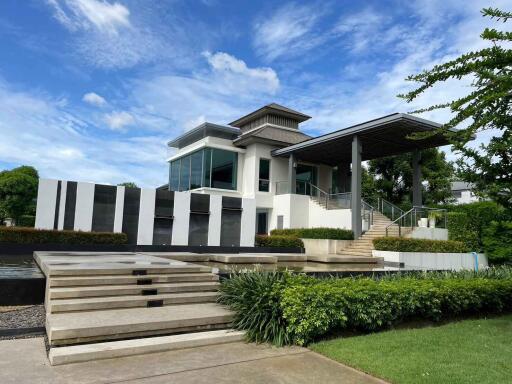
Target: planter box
(324, 246)
(436, 261)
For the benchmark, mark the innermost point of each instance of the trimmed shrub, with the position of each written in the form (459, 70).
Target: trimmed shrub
(460, 229)
(316, 233)
(22, 235)
(26, 221)
(296, 309)
(401, 244)
(278, 241)
(498, 242)
(315, 309)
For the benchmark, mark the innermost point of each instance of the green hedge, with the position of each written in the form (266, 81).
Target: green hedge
(26, 221)
(286, 309)
(460, 229)
(497, 240)
(401, 244)
(278, 241)
(22, 235)
(316, 233)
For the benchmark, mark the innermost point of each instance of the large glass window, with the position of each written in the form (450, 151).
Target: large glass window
(223, 169)
(196, 168)
(305, 175)
(185, 173)
(174, 179)
(264, 180)
(209, 167)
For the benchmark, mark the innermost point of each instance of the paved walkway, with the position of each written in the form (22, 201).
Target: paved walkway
(24, 361)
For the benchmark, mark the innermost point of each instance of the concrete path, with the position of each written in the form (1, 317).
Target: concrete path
(24, 361)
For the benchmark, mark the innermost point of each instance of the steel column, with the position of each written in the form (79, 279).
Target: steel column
(357, 222)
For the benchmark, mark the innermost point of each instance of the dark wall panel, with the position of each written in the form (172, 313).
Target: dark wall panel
(104, 209)
(164, 203)
(198, 229)
(57, 205)
(131, 213)
(230, 228)
(162, 231)
(199, 203)
(69, 212)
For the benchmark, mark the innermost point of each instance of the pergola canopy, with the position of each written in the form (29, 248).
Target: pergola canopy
(385, 136)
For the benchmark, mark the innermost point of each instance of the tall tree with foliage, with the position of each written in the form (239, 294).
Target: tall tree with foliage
(488, 106)
(393, 177)
(18, 192)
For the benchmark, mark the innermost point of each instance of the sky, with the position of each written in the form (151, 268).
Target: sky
(91, 90)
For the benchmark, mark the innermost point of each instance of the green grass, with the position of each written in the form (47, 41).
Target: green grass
(469, 351)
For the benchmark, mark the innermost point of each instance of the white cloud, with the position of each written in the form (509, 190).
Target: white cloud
(289, 32)
(119, 120)
(108, 35)
(194, 122)
(94, 99)
(263, 77)
(39, 130)
(85, 14)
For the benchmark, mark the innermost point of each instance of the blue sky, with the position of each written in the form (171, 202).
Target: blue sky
(91, 90)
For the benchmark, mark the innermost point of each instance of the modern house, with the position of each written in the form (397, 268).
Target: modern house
(228, 182)
(463, 192)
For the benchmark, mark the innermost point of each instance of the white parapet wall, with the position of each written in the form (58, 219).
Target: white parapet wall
(434, 261)
(146, 215)
(325, 246)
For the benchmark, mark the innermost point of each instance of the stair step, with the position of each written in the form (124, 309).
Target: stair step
(129, 279)
(119, 290)
(342, 258)
(108, 350)
(75, 327)
(111, 302)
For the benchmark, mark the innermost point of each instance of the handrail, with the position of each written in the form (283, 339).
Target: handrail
(412, 214)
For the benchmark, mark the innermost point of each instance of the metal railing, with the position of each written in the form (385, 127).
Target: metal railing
(388, 209)
(327, 200)
(419, 217)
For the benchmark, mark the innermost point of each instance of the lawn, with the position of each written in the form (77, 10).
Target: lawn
(469, 351)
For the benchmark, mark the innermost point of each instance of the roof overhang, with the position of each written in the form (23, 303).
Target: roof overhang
(274, 108)
(385, 136)
(201, 131)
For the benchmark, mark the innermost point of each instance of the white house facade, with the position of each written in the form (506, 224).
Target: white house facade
(230, 182)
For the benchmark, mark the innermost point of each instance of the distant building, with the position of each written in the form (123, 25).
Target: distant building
(462, 192)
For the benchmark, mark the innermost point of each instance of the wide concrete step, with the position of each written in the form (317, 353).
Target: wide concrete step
(342, 259)
(122, 348)
(74, 281)
(356, 252)
(77, 327)
(111, 302)
(119, 290)
(120, 269)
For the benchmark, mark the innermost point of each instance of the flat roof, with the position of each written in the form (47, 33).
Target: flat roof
(385, 136)
(203, 130)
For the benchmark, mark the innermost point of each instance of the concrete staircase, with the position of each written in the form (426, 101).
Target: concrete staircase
(96, 313)
(363, 246)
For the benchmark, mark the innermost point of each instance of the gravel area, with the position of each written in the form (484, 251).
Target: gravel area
(21, 317)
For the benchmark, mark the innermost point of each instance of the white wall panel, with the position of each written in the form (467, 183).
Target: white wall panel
(62, 204)
(84, 206)
(215, 220)
(181, 218)
(46, 200)
(248, 224)
(118, 217)
(146, 216)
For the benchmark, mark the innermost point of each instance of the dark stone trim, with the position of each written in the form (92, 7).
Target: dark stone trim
(70, 206)
(57, 206)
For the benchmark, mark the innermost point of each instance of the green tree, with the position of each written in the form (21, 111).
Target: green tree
(393, 177)
(128, 184)
(486, 107)
(18, 192)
